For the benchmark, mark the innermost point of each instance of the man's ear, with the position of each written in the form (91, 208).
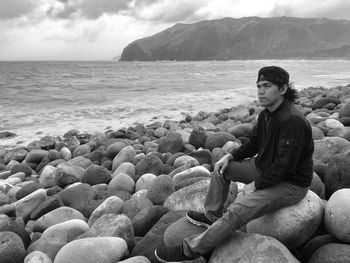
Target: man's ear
(283, 89)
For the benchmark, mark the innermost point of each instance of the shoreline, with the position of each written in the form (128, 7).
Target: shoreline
(101, 126)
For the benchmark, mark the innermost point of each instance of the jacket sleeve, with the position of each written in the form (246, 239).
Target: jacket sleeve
(287, 153)
(249, 148)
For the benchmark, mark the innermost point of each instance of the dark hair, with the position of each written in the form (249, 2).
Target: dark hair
(291, 93)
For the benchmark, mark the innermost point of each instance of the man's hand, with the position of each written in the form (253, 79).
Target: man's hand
(221, 165)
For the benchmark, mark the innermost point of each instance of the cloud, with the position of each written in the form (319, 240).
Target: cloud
(90, 9)
(15, 8)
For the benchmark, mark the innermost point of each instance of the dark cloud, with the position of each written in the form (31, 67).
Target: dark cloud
(14, 8)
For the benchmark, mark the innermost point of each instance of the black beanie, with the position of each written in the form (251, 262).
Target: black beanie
(273, 74)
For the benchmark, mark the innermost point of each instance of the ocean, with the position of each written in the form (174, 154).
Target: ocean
(52, 97)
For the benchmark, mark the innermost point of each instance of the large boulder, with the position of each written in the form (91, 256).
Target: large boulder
(292, 225)
(171, 143)
(322, 101)
(92, 250)
(73, 228)
(244, 247)
(194, 172)
(218, 139)
(337, 174)
(337, 215)
(331, 253)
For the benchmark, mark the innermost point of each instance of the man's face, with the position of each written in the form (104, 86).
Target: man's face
(270, 95)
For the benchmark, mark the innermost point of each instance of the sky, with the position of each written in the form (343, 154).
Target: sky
(100, 29)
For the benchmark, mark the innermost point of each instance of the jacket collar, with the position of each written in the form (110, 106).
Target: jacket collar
(282, 105)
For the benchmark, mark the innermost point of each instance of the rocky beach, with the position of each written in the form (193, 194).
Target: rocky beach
(116, 195)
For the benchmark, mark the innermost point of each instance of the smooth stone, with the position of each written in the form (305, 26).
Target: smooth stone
(198, 137)
(92, 250)
(28, 189)
(96, 174)
(218, 140)
(37, 257)
(46, 178)
(59, 215)
(145, 181)
(230, 146)
(345, 110)
(315, 243)
(322, 101)
(185, 135)
(172, 143)
(65, 154)
(112, 225)
(99, 187)
(80, 197)
(47, 142)
(337, 174)
(241, 130)
(136, 259)
(73, 228)
(245, 247)
(126, 168)
(122, 182)
(334, 124)
(317, 133)
(81, 150)
(146, 218)
(22, 167)
(328, 147)
(317, 186)
(185, 159)
(177, 231)
(160, 190)
(112, 205)
(203, 156)
(149, 164)
(11, 248)
(113, 149)
(80, 161)
(154, 237)
(53, 155)
(13, 181)
(20, 175)
(50, 244)
(27, 204)
(337, 215)
(8, 224)
(198, 171)
(292, 225)
(35, 156)
(127, 154)
(4, 199)
(17, 154)
(331, 253)
(133, 206)
(140, 193)
(189, 198)
(5, 174)
(50, 204)
(160, 132)
(66, 174)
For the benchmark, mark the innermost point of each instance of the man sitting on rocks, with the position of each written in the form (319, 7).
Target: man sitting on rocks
(279, 175)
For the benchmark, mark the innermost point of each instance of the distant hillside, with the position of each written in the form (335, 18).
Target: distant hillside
(246, 38)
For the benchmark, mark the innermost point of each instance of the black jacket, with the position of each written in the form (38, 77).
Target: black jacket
(283, 141)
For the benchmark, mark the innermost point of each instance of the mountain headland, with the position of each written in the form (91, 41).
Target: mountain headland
(246, 38)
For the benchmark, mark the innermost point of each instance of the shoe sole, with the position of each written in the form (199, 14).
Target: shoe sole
(158, 258)
(197, 223)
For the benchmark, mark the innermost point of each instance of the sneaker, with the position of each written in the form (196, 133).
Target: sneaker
(171, 254)
(198, 218)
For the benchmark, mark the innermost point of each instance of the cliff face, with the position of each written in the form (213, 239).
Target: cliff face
(245, 38)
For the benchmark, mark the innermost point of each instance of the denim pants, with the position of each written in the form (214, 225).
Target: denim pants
(250, 204)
